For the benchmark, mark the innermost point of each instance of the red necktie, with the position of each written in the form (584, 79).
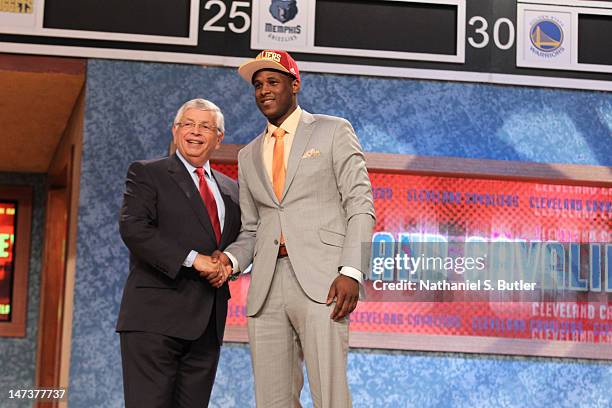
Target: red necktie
(211, 204)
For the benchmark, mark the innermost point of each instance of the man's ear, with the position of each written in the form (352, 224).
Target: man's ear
(219, 140)
(174, 127)
(296, 86)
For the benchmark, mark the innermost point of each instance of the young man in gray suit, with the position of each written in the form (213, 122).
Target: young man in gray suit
(307, 208)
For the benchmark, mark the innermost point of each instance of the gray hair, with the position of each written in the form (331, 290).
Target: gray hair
(203, 105)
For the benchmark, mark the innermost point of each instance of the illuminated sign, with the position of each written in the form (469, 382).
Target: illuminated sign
(16, 6)
(7, 239)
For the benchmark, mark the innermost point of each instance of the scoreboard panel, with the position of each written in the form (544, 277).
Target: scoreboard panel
(576, 36)
(144, 21)
(394, 29)
(94, 15)
(595, 39)
(404, 28)
(561, 43)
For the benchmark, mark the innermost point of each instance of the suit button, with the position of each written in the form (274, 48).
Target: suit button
(276, 242)
(280, 209)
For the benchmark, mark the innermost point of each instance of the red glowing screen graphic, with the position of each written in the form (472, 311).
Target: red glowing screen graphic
(576, 220)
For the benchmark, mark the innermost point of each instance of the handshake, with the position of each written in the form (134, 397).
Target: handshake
(216, 268)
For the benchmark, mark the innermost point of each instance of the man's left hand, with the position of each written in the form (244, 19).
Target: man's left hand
(211, 269)
(225, 268)
(346, 292)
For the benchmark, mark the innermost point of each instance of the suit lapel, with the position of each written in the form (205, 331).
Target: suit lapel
(181, 177)
(261, 168)
(300, 141)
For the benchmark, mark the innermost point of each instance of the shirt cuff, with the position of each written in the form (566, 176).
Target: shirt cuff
(188, 262)
(235, 265)
(352, 273)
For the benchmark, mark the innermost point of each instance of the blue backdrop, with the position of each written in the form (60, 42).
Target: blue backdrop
(129, 110)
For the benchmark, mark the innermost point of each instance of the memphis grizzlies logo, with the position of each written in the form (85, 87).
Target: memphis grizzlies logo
(283, 10)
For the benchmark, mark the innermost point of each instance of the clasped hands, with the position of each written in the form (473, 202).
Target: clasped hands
(215, 268)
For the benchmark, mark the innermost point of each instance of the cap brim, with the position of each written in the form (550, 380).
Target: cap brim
(248, 69)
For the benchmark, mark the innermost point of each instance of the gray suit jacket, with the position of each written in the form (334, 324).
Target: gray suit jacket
(326, 211)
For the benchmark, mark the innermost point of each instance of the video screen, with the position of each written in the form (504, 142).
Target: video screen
(545, 275)
(8, 212)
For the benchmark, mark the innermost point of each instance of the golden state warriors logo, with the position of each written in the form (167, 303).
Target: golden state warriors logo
(546, 35)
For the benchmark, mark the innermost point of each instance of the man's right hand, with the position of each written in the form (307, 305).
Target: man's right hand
(227, 268)
(211, 269)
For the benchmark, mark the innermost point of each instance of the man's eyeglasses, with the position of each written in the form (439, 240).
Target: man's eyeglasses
(206, 127)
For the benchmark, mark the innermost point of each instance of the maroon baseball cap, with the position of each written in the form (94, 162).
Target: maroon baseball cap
(269, 59)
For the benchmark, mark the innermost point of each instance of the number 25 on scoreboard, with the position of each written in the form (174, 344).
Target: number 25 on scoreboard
(239, 23)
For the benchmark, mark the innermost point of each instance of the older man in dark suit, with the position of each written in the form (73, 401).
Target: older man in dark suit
(176, 212)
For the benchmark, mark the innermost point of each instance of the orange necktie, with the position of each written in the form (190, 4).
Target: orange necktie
(278, 167)
(278, 163)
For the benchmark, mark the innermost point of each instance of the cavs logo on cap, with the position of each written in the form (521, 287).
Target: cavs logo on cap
(283, 10)
(269, 59)
(269, 55)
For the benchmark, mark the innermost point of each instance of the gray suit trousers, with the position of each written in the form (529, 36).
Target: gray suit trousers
(291, 328)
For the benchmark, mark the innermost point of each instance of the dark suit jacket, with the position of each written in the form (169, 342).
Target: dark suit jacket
(163, 217)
